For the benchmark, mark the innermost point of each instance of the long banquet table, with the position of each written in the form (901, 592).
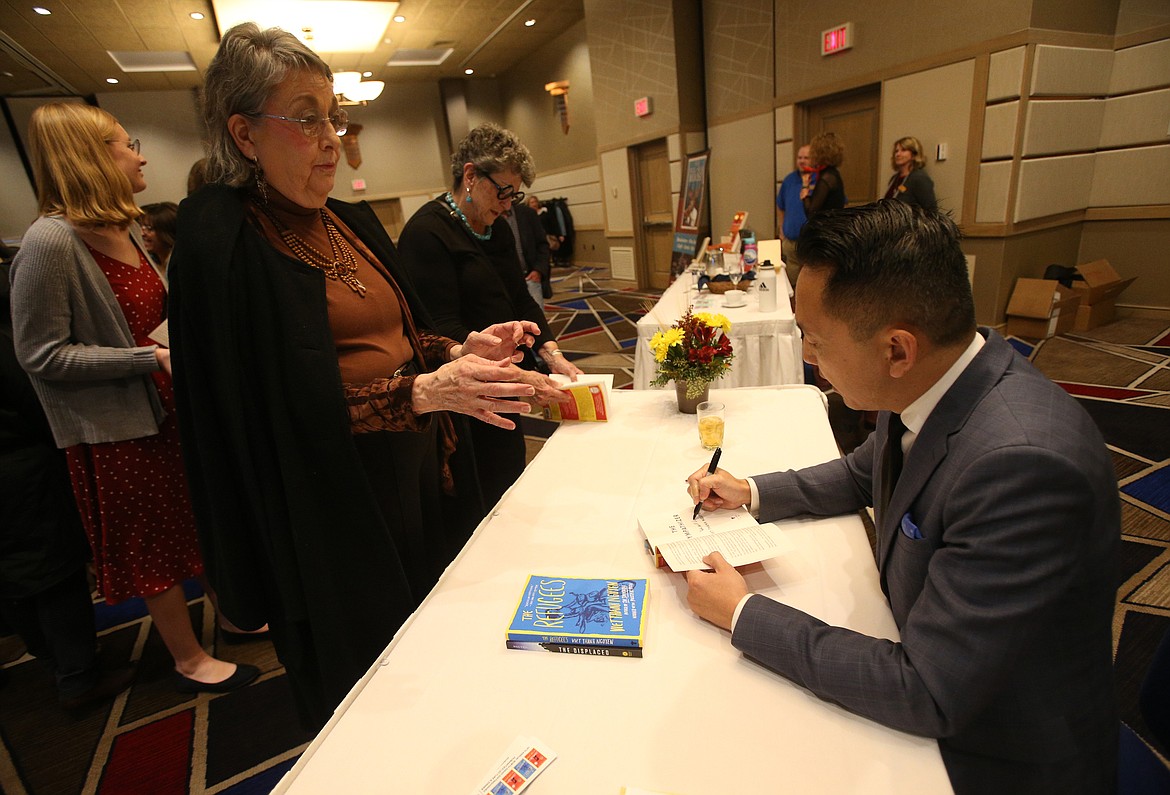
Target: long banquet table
(766, 344)
(693, 716)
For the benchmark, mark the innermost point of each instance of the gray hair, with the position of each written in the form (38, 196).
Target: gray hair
(491, 149)
(249, 65)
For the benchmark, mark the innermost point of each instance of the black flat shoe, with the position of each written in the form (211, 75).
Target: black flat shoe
(244, 675)
(236, 638)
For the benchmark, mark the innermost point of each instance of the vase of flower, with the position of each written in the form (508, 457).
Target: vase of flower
(686, 404)
(693, 352)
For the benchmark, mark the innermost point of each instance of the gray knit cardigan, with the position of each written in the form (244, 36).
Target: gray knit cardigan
(73, 340)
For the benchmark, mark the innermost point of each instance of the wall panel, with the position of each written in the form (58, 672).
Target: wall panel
(1053, 185)
(1059, 126)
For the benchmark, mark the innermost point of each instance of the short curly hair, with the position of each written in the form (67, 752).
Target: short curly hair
(826, 149)
(492, 149)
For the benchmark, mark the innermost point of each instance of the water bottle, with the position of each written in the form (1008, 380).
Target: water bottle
(751, 252)
(766, 286)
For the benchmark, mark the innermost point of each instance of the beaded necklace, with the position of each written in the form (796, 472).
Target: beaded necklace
(340, 266)
(457, 213)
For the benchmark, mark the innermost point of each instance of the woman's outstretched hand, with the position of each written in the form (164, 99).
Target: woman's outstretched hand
(473, 386)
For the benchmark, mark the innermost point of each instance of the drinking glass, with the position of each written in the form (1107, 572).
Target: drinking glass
(711, 416)
(734, 265)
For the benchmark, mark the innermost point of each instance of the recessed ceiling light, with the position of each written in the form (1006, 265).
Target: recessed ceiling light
(196, 15)
(367, 74)
(44, 12)
(468, 71)
(529, 23)
(5, 74)
(399, 18)
(112, 80)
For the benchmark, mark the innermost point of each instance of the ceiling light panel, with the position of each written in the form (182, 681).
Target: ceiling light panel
(138, 61)
(327, 26)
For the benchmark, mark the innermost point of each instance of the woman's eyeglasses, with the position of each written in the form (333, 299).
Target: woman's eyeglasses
(136, 145)
(312, 125)
(505, 192)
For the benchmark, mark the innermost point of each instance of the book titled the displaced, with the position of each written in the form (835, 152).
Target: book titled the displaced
(560, 614)
(590, 395)
(680, 543)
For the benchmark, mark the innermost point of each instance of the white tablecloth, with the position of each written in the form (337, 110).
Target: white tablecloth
(693, 716)
(766, 345)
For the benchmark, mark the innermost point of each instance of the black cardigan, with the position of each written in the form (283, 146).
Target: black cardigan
(291, 534)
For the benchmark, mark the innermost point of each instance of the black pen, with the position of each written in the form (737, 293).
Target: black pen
(710, 471)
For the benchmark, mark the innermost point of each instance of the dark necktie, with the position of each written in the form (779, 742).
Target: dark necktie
(891, 464)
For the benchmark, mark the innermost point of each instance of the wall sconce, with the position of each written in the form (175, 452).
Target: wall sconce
(560, 95)
(352, 90)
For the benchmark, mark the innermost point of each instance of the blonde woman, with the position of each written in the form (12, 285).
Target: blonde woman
(85, 298)
(910, 182)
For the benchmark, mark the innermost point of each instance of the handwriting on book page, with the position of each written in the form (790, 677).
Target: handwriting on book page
(741, 546)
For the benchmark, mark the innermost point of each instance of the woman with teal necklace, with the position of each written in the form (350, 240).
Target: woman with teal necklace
(463, 259)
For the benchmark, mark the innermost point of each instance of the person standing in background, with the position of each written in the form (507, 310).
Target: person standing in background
(532, 250)
(552, 232)
(828, 189)
(462, 258)
(44, 591)
(790, 215)
(85, 300)
(158, 231)
(910, 182)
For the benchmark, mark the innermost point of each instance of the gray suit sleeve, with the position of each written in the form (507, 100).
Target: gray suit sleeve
(828, 489)
(1009, 546)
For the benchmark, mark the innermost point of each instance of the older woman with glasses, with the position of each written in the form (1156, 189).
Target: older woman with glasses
(467, 268)
(313, 399)
(86, 300)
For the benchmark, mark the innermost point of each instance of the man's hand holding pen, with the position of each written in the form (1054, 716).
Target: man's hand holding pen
(718, 489)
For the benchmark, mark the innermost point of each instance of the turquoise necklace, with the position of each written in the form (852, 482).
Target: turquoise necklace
(456, 212)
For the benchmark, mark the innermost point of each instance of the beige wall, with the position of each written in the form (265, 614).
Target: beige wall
(528, 109)
(934, 106)
(169, 126)
(737, 50)
(885, 38)
(1134, 248)
(742, 175)
(632, 55)
(18, 201)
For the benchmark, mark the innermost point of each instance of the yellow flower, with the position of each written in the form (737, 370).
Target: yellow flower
(715, 321)
(663, 340)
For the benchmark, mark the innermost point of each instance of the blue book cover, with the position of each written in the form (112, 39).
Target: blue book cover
(580, 611)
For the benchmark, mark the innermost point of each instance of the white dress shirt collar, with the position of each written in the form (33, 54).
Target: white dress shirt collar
(914, 416)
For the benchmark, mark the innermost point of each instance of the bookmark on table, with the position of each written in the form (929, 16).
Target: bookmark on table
(524, 760)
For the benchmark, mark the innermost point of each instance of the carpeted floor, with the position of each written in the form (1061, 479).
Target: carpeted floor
(153, 740)
(1120, 373)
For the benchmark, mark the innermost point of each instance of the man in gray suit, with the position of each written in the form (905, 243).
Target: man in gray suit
(997, 544)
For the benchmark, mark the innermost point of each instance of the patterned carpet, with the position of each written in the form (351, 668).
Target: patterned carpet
(153, 740)
(1120, 373)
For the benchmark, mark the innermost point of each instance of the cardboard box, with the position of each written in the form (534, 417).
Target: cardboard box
(1098, 292)
(1090, 316)
(1041, 308)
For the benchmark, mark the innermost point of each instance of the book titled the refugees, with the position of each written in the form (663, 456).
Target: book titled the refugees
(570, 611)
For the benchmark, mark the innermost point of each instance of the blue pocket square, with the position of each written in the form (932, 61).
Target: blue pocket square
(909, 529)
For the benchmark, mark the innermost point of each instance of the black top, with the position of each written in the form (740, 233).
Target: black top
(829, 193)
(466, 284)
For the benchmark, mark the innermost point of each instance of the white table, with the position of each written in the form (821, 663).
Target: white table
(693, 716)
(766, 344)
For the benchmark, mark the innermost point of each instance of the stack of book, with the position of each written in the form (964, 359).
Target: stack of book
(570, 615)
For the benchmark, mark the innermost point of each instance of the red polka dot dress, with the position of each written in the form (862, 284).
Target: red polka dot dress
(133, 494)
